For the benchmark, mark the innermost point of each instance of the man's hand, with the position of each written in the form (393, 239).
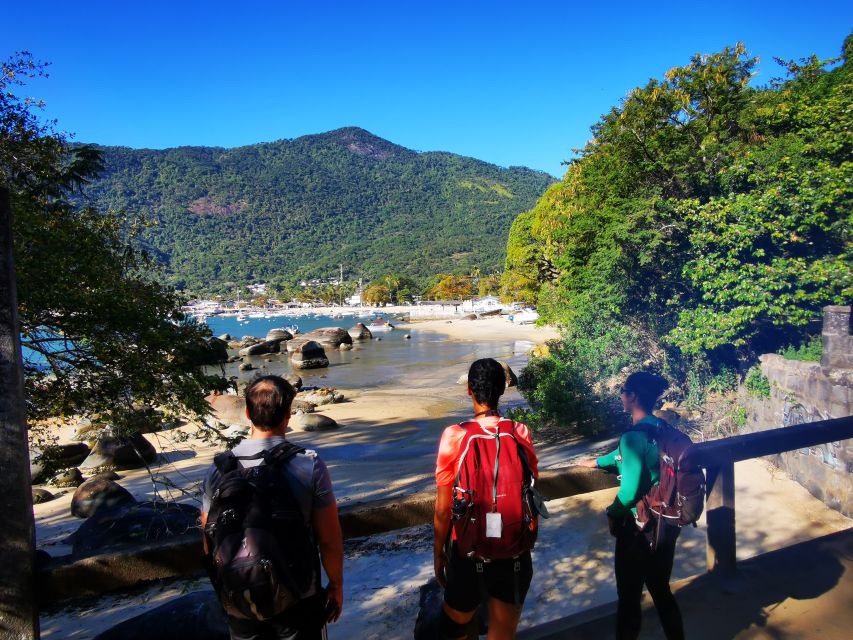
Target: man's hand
(440, 564)
(334, 602)
(589, 463)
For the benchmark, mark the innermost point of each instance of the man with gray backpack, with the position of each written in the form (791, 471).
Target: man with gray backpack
(268, 510)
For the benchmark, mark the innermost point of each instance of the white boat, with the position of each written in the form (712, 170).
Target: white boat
(525, 316)
(380, 326)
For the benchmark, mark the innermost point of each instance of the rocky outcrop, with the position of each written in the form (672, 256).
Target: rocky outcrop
(332, 337)
(196, 616)
(42, 495)
(279, 334)
(228, 409)
(215, 351)
(322, 396)
(300, 406)
(60, 456)
(309, 355)
(131, 524)
(360, 332)
(260, 348)
(312, 422)
(111, 452)
(99, 493)
(68, 478)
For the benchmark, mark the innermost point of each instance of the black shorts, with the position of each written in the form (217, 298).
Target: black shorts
(304, 621)
(504, 580)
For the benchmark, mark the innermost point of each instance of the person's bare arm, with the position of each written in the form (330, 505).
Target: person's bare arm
(327, 528)
(203, 520)
(441, 527)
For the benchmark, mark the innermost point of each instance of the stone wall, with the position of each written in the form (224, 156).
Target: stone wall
(809, 391)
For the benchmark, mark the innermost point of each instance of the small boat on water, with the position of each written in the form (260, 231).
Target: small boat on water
(525, 316)
(380, 325)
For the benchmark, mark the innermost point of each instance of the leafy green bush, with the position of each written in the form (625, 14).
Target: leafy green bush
(757, 383)
(724, 380)
(809, 351)
(558, 394)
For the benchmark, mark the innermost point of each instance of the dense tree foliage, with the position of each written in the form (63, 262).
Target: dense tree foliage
(100, 335)
(450, 287)
(296, 209)
(706, 220)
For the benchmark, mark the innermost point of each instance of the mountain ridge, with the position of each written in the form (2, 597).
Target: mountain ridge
(296, 208)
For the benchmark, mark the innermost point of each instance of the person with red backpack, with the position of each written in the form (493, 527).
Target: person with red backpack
(486, 501)
(656, 497)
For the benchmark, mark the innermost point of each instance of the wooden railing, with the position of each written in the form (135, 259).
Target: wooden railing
(718, 458)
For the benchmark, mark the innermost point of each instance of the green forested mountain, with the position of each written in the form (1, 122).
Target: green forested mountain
(298, 208)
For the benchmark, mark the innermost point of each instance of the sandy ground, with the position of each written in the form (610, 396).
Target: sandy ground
(572, 562)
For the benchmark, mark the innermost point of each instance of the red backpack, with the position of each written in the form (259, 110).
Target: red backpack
(494, 477)
(679, 496)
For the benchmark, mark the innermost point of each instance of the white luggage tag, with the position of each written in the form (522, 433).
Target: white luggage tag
(494, 525)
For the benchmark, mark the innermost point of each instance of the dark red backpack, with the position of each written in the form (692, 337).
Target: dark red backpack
(679, 496)
(494, 477)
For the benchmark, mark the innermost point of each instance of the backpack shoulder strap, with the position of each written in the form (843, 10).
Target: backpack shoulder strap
(225, 462)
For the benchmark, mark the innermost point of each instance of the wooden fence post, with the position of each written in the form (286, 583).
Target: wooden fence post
(722, 537)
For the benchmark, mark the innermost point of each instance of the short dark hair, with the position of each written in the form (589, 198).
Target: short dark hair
(648, 387)
(268, 401)
(487, 381)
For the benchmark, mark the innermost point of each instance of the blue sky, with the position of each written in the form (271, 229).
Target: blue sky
(514, 83)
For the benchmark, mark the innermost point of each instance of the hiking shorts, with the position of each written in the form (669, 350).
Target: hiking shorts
(304, 621)
(499, 580)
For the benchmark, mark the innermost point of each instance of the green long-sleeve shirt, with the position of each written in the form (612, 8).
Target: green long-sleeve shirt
(636, 460)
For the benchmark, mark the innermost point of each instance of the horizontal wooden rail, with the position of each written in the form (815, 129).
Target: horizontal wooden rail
(718, 458)
(765, 443)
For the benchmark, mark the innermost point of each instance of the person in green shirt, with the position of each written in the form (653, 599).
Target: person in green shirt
(638, 561)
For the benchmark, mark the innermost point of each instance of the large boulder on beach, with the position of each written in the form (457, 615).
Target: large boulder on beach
(321, 396)
(228, 409)
(196, 616)
(42, 495)
(69, 478)
(360, 332)
(99, 493)
(300, 406)
(215, 351)
(279, 334)
(309, 355)
(293, 345)
(330, 336)
(260, 348)
(312, 422)
(132, 523)
(127, 452)
(58, 456)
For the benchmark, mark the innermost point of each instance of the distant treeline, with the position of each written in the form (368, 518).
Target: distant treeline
(707, 221)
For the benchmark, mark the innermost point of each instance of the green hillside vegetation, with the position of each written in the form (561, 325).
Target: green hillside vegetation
(296, 209)
(706, 222)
